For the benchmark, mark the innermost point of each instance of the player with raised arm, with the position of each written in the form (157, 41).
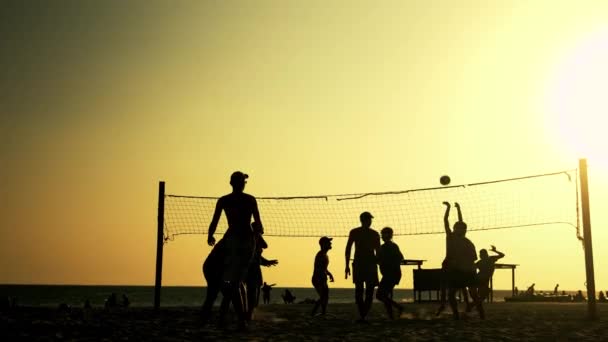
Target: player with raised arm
(459, 261)
(444, 273)
(485, 267)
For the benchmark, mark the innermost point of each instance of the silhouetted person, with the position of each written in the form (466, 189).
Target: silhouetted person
(125, 301)
(288, 297)
(266, 292)
(254, 275)
(602, 297)
(579, 296)
(516, 291)
(486, 266)
(212, 271)
(111, 301)
(530, 290)
(555, 290)
(460, 262)
(239, 208)
(444, 265)
(320, 275)
(365, 269)
(389, 259)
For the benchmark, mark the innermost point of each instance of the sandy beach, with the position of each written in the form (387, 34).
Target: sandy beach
(505, 322)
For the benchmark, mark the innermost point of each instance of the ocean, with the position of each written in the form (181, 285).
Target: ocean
(171, 296)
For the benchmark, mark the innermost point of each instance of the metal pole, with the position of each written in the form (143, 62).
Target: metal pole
(591, 307)
(159, 244)
(513, 282)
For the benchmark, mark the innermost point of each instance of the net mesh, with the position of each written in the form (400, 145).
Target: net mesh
(526, 201)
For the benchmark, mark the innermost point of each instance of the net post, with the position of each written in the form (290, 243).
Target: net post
(159, 244)
(591, 307)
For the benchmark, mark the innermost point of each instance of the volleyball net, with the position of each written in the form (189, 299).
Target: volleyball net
(530, 201)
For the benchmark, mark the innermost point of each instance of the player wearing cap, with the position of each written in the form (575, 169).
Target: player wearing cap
(239, 208)
(320, 274)
(389, 260)
(365, 269)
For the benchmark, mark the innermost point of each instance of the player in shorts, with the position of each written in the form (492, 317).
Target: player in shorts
(239, 208)
(212, 271)
(485, 267)
(389, 260)
(254, 277)
(365, 267)
(459, 262)
(320, 275)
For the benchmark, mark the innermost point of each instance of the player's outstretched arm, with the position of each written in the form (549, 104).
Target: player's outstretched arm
(446, 218)
(457, 205)
(499, 254)
(267, 263)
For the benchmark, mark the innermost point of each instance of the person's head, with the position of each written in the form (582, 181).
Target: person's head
(238, 180)
(387, 234)
(325, 243)
(483, 254)
(366, 219)
(460, 228)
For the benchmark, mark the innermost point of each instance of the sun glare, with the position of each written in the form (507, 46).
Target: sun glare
(577, 102)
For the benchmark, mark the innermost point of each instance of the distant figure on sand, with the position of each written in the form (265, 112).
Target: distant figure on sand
(486, 266)
(254, 275)
(320, 275)
(288, 297)
(365, 269)
(530, 290)
(556, 290)
(602, 297)
(266, 292)
(389, 259)
(111, 301)
(460, 262)
(125, 301)
(239, 208)
(579, 296)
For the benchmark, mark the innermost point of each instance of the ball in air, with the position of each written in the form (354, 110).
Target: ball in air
(444, 180)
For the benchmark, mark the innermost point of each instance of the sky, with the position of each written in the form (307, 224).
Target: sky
(99, 101)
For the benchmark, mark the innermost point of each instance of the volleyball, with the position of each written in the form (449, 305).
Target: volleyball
(444, 180)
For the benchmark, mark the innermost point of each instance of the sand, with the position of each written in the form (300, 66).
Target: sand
(278, 322)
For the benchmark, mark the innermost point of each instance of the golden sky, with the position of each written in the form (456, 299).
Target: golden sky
(101, 100)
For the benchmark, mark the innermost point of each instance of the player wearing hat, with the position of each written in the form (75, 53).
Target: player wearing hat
(320, 274)
(365, 269)
(239, 240)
